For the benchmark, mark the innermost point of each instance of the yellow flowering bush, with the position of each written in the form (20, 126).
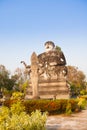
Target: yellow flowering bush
(15, 118)
(17, 95)
(82, 103)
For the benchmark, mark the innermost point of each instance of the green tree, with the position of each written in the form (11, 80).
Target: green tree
(76, 78)
(4, 76)
(6, 81)
(58, 48)
(22, 80)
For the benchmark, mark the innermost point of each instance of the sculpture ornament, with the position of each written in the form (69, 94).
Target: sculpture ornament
(27, 67)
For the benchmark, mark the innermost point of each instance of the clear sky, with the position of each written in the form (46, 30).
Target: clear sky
(25, 25)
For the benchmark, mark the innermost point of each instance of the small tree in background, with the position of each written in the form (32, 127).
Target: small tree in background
(6, 82)
(76, 78)
(58, 48)
(22, 80)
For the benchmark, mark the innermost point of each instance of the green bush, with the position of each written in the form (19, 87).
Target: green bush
(15, 118)
(17, 95)
(83, 96)
(68, 108)
(83, 92)
(53, 107)
(82, 103)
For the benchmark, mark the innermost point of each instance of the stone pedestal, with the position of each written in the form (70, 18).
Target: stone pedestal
(50, 90)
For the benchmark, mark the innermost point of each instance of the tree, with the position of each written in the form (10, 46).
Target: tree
(58, 48)
(4, 76)
(76, 79)
(22, 79)
(6, 82)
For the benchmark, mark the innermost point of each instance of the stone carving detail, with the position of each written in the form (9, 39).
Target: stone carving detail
(27, 67)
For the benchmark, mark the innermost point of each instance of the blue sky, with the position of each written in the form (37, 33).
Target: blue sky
(25, 25)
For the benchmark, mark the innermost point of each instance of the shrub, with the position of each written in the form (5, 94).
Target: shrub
(83, 92)
(15, 118)
(53, 107)
(82, 103)
(68, 108)
(17, 95)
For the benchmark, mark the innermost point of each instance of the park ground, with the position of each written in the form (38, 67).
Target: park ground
(77, 121)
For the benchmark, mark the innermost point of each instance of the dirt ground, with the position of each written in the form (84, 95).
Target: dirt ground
(76, 121)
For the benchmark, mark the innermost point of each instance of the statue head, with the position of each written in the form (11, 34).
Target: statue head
(49, 45)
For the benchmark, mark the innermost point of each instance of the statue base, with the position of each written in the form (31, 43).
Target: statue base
(52, 89)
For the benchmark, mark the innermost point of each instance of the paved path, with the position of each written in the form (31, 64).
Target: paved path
(76, 121)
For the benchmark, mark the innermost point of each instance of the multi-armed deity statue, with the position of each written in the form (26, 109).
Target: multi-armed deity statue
(48, 73)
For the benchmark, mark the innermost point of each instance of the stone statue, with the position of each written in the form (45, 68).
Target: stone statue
(48, 70)
(52, 63)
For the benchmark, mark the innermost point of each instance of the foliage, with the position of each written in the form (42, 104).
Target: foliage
(83, 96)
(17, 95)
(68, 108)
(24, 86)
(76, 79)
(6, 81)
(83, 92)
(53, 107)
(16, 118)
(10, 83)
(38, 120)
(58, 48)
(17, 108)
(21, 80)
(82, 103)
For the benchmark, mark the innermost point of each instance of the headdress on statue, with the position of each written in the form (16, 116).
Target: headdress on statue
(49, 45)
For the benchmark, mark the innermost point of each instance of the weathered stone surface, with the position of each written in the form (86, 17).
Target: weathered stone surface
(34, 75)
(52, 58)
(52, 63)
(51, 90)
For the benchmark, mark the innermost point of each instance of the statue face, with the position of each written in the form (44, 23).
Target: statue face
(48, 47)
